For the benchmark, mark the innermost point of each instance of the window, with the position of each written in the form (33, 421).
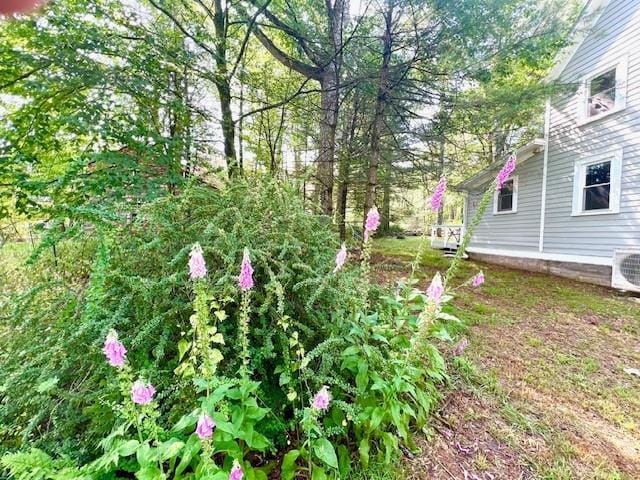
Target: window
(596, 184)
(506, 199)
(604, 91)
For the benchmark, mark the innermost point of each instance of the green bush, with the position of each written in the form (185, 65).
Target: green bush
(53, 389)
(254, 361)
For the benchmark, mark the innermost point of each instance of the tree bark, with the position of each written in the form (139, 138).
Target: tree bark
(378, 119)
(223, 86)
(329, 105)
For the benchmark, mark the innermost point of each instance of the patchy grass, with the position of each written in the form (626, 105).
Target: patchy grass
(541, 392)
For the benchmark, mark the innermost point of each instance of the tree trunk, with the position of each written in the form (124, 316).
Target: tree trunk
(440, 219)
(327, 143)
(385, 215)
(223, 86)
(378, 119)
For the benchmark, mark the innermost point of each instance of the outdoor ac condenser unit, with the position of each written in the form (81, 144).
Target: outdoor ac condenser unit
(626, 270)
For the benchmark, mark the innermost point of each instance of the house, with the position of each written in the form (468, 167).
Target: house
(572, 206)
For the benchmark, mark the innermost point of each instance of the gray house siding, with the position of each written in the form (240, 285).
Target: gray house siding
(615, 35)
(513, 231)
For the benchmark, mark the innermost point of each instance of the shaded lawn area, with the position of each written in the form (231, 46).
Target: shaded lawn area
(541, 390)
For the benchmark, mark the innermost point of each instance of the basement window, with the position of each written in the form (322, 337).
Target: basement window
(505, 200)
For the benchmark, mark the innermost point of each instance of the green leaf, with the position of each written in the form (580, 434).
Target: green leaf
(325, 452)
(376, 418)
(191, 448)
(183, 347)
(47, 385)
(363, 450)
(289, 467)
(151, 472)
(362, 378)
(128, 448)
(169, 449)
(344, 461)
(318, 473)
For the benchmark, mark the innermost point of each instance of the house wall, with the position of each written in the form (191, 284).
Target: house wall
(615, 34)
(512, 231)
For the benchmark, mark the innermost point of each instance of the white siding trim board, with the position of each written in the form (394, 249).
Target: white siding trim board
(554, 257)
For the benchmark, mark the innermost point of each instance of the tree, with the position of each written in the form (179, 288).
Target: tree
(321, 61)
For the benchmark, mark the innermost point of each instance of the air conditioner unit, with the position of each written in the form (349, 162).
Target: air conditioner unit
(626, 270)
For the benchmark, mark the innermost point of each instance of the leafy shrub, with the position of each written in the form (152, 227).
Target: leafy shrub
(53, 389)
(288, 350)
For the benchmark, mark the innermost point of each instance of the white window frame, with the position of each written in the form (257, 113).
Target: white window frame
(579, 178)
(514, 204)
(621, 66)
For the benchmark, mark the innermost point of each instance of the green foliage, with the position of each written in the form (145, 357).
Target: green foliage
(306, 332)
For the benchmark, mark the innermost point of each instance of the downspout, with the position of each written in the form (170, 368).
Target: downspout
(543, 201)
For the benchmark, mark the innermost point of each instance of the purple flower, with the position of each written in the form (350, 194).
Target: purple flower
(236, 471)
(245, 280)
(372, 223)
(321, 400)
(506, 171)
(478, 279)
(341, 257)
(460, 347)
(436, 289)
(197, 267)
(205, 427)
(141, 393)
(114, 350)
(438, 194)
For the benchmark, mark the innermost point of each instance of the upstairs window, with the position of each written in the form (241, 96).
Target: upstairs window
(604, 92)
(506, 199)
(596, 184)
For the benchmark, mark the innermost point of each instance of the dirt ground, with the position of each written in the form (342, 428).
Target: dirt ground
(541, 392)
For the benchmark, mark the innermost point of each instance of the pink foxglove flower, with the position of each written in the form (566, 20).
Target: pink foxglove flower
(114, 350)
(205, 426)
(478, 279)
(141, 393)
(321, 400)
(436, 289)
(438, 195)
(341, 257)
(245, 280)
(236, 471)
(197, 267)
(372, 223)
(506, 171)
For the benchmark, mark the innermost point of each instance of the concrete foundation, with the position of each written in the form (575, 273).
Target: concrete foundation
(596, 274)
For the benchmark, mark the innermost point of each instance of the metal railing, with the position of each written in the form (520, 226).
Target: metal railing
(446, 236)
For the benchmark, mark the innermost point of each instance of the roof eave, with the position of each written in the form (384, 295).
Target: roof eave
(584, 24)
(483, 176)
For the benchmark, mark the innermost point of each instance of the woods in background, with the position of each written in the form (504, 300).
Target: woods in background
(107, 101)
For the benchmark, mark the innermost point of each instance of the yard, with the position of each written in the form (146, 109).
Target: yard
(541, 390)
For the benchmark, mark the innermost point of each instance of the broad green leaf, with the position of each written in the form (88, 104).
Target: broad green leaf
(323, 449)
(289, 467)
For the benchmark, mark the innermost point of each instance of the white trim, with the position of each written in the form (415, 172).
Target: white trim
(514, 198)
(621, 66)
(488, 174)
(554, 257)
(615, 180)
(545, 162)
(587, 19)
